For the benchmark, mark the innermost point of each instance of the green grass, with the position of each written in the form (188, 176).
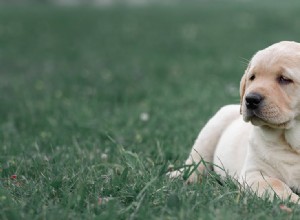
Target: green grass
(74, 83)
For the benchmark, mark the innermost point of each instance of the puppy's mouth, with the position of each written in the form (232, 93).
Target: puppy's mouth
(259, 119)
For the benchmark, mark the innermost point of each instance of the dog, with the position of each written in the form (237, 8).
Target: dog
(258, 141)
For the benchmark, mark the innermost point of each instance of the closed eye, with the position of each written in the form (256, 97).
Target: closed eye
(252, 77)
(283, 80)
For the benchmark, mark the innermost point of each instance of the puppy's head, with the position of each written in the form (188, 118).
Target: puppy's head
(270, 87)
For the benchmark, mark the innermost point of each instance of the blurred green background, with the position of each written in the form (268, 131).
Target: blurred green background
(98, 99)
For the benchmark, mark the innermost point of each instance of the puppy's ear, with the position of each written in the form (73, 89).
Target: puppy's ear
(242, 90)
(243, 87)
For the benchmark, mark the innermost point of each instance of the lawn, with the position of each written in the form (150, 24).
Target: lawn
(96, 103)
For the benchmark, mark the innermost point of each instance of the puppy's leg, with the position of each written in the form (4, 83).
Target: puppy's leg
(207, 140)
(268, 186)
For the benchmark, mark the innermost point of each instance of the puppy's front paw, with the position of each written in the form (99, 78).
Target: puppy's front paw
(190, 173)
(295, 198)
(194, 177)
(175, 174)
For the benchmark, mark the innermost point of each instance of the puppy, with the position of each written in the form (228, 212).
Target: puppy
(258, 141)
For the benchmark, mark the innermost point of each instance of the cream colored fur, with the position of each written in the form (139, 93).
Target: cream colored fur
(262, 149)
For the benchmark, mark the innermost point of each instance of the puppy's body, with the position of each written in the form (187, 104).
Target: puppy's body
(265, 153)
(243, 150)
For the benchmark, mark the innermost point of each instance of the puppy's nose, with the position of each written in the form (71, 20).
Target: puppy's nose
(253, 100)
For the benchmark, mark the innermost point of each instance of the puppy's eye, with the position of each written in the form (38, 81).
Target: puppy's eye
(252, 77)
(284, 80)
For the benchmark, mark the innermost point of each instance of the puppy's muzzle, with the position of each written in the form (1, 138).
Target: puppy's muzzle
(253, 101)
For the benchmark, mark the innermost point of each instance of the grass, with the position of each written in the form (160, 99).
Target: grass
(97, 102)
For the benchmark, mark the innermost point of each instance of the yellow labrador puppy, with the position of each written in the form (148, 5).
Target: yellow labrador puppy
(265, 153)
